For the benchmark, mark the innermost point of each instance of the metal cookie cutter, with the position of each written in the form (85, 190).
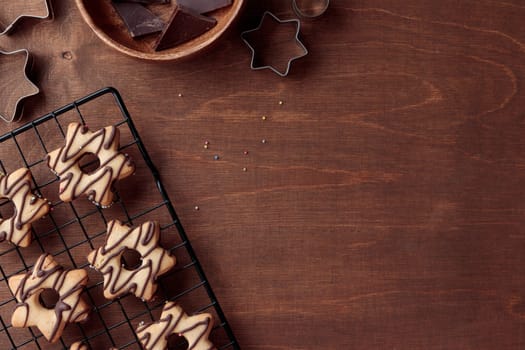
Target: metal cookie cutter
(20, 87)
(310, 9)
(270, 15)
(47, 13)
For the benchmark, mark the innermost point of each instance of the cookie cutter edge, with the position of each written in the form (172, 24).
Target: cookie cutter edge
(10, 27)
(300, 13)
(27, 67)
(297, 39)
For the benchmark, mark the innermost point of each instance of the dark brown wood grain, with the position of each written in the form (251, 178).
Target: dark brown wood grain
(385, 211)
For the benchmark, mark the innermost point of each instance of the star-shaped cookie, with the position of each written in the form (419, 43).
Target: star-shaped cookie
(28, 207)
(48, 275)
(141, 280)
(78, 346)
(14, 11)
(81, 346)
(97, 185)
(272, 45)
(196, 329)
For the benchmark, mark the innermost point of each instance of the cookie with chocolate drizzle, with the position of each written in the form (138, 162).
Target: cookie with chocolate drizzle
(28, 208)
(81, 346)
(30, 310)
(139, 280)
(78, 346)
(196, 329)
(98, 184)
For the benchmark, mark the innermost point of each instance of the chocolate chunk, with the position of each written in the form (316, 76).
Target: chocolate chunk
(204, 6)
(138, 19)
(147, 2)
(183, 26)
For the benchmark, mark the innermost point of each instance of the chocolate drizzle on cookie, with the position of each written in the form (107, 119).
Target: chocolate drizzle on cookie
(81, 346)
(196, 329)
(70, 307)
(98, 185)
(141, 281)
(78, 346)
(28, 208)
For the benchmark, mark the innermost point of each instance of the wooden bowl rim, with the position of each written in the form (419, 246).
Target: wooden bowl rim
(158, 56)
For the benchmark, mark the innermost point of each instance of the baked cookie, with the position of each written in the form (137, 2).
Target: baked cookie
(196, 329)
(78, 346)
(141, 280)
(30, 311)
(81, 346)
(28, 207)
(99, 184)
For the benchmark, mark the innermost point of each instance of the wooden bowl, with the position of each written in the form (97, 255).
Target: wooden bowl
(108, 26)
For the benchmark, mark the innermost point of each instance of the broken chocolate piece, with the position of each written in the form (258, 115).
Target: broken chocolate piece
(183, 26)
(146, 2)
(138, 19)
(204, 6)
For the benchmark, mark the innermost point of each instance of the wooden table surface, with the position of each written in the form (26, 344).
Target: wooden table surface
(386, 209)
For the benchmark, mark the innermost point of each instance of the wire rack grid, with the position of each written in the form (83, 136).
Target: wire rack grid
(73, 229)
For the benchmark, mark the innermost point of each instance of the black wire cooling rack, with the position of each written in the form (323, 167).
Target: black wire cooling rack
(73, 229)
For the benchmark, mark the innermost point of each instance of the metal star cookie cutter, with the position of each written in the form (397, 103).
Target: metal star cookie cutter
(314, 12)
(297, 40)
(32, 89)
(48, 14)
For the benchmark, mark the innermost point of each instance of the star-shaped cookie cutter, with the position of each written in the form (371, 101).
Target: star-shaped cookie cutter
(48, 14)
(32, 88)
(266, 15)
(312, 13)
